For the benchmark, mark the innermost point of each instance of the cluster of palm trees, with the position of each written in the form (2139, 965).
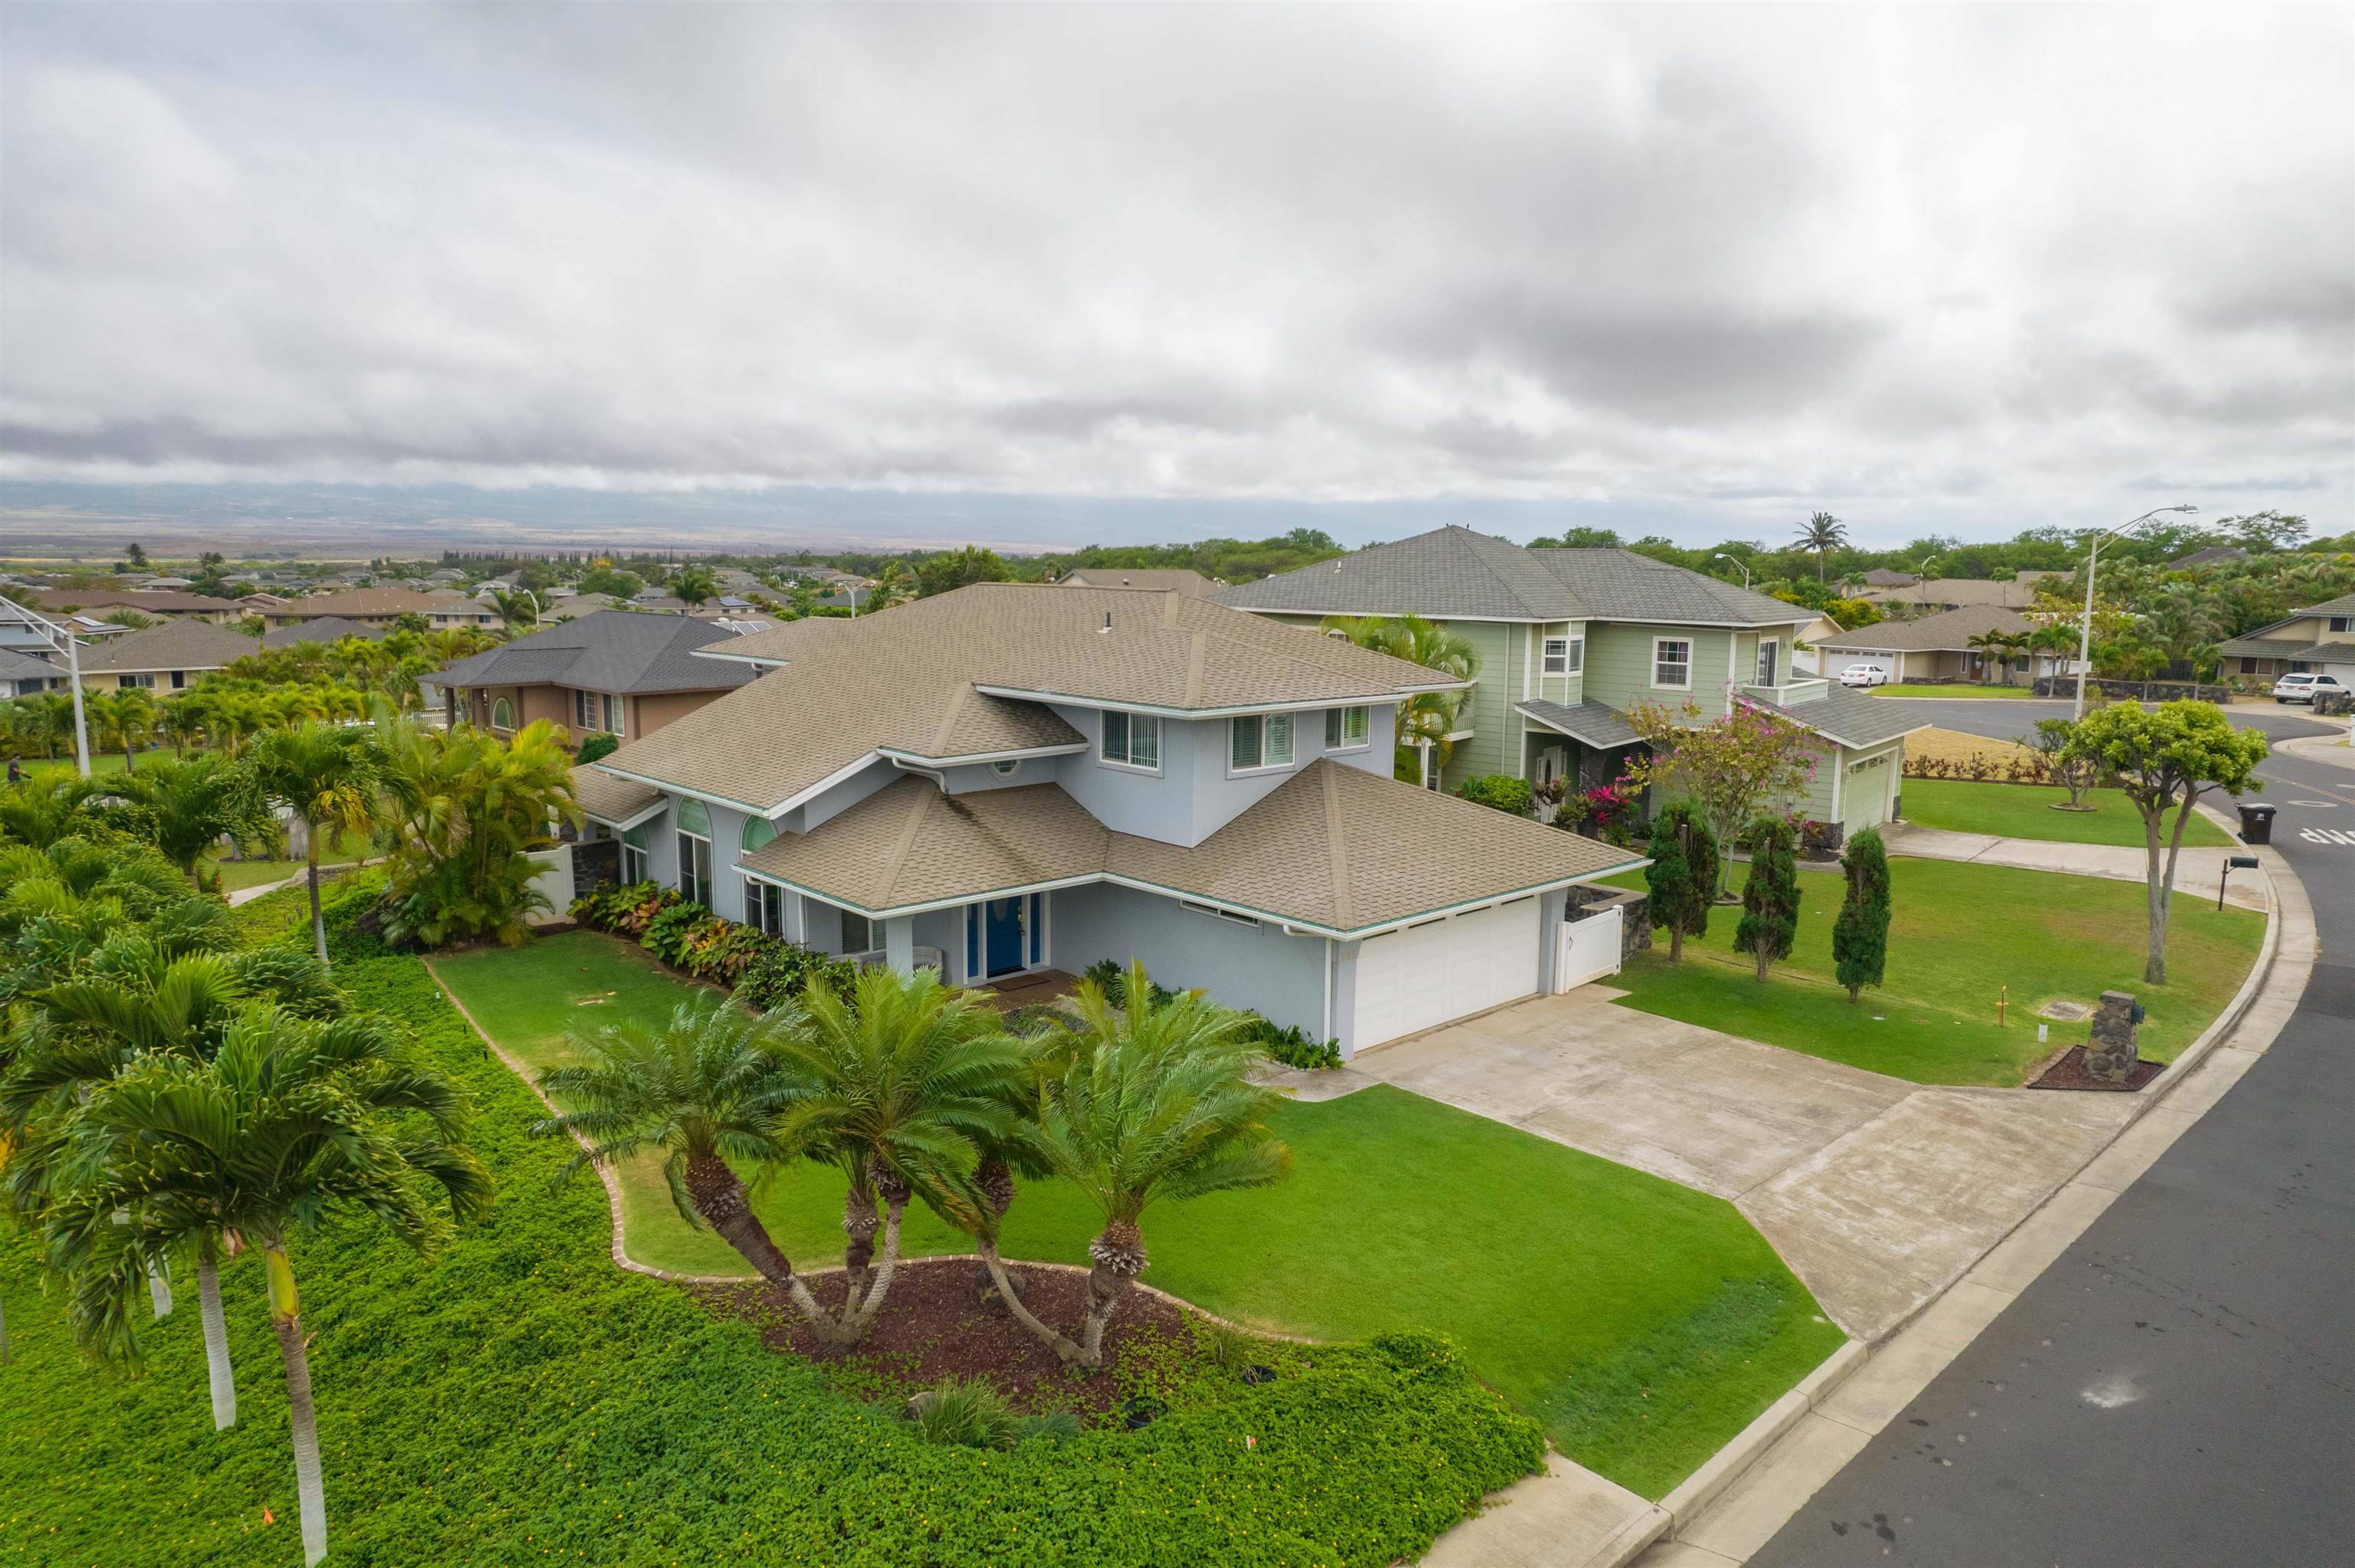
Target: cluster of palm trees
(915, 1092)
(168, 1103)
(1427, 722)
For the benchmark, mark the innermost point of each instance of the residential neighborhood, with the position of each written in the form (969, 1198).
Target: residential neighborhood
(1123, 786)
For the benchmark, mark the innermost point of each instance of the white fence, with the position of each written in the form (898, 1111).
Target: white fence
(1587, 949)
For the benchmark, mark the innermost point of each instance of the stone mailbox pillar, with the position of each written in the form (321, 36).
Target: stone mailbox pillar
(2110, 1053)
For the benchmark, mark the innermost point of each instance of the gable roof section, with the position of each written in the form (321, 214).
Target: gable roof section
(1169, 579)
(326, 628)
(963, 675)
(1335, 849)
(382, 602)
(1851, 718)
(175, 645)
(1624, 586)
(612, 650)
(15, 666)
(1450, 573)
(2343, 605)
(1590, 723)
(1947, 632)
(162, 602)
(617, 802)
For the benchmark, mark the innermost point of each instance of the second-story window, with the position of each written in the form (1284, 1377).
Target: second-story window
(1132, 740)
(1261, 740)
(1565, 656)
(1770, 655)
(613, 714)
(1672, 662)
(1346, 729)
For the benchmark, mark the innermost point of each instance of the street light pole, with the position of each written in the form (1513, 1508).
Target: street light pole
(2085, 628)
(1722, 556)
(62, 638)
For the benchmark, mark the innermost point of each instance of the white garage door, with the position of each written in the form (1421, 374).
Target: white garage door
(1428, 974)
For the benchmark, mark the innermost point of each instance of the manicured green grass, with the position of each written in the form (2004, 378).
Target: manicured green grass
(1919, 689)
(1960, 933)
(2026, 811)
(1645, 1323)
(237, 873)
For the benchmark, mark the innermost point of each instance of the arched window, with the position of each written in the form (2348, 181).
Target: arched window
(501, 713)
(695, 853)
(765, 901)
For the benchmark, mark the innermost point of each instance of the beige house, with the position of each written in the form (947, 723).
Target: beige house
(1933, 648)
(2320, 638)
(2017, 592)
(384, 606)
(1161, 579)
(162, 659)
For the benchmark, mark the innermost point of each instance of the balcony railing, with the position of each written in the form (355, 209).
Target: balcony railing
(1791, 693)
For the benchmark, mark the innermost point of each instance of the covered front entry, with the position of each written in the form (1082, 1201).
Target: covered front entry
(1005, 936)
(1441, 969)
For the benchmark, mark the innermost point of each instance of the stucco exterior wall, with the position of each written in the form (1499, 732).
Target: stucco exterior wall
(649, 713)
(1259, 968)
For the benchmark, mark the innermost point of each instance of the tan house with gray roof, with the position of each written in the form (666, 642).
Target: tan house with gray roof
(1016, 777)
(162, 659)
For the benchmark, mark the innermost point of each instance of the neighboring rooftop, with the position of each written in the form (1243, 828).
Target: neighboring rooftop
(1851, 718)
(1454, 573)
(616, 651)
(175, 645)
(2214, 556)
(1169, 579)
(379, 601)
(1949, 630)
(162, 602)
(2016, 592)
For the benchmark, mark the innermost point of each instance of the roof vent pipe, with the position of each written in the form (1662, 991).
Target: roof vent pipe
(1106, 626)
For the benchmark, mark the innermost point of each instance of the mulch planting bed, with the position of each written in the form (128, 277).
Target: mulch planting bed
(934, 1325)
(2068, 1072)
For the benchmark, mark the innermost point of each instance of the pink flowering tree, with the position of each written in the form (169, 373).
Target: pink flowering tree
(1733, 770)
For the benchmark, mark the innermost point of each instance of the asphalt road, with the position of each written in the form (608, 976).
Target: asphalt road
(2179, 1388)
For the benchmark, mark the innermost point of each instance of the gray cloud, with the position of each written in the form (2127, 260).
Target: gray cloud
(1924, 267)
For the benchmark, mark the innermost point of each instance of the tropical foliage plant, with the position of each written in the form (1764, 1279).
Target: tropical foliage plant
(1770, 898)
(1861, 930)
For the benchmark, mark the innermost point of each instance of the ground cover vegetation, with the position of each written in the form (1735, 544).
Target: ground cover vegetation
(2036, 812)
(1933, 1019)
(1586, 1329)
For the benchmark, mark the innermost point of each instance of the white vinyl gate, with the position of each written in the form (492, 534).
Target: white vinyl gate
(1588, 950)
(1442, 969)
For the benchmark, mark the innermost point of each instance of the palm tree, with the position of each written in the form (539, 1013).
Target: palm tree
(183, 808)
(329, 778)
(516, 608)
(1156, 1104)
(706, 1089)
(124, 717)
(1823, 534)
(695, 584)
(293, 1123)
(2056, 641)
(1998, 646)
(900, 1088)
(1426, 723)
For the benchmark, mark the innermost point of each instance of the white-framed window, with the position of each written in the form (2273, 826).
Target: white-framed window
(501, 713)
(1347, 729)
(2342, 623)
(1216, 913)
(584, 711)
(616, 713)
(179, 680)
(1564, 656)
(145, 680)
(1672, 662)
(1132, 740)
(635, 865)
(1259, 740)
(764, 907)
(1770, 658)
(695, 853)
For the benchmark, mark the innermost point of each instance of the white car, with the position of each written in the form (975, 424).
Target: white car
(2302, 688)
(1864, 675)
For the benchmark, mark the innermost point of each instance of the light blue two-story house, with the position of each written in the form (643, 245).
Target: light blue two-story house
(1015, 779)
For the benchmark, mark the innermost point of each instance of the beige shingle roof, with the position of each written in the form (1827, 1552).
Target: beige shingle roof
(929, 680)
(173, 645)
(610, 798)
(1334, 847)
(383, 601)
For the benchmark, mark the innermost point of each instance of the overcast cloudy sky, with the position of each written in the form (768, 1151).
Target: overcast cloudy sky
(1929, 268)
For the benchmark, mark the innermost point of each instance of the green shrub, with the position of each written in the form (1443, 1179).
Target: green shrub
(673, 930)
(604, 743)
(1292, 1044)
(780, 971)
(1502, 790)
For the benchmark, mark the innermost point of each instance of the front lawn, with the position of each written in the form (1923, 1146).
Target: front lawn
(1645, 1323)
(1960, 933)
(1921, 688)
(2026, 811)
(241, 873)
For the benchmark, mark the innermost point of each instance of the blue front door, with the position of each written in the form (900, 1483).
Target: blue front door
(1001, 936)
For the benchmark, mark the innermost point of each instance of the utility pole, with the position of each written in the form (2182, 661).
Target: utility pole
(61, 639)
(2085, 626)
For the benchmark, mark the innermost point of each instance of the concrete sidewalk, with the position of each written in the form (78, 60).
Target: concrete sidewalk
(2196, 871)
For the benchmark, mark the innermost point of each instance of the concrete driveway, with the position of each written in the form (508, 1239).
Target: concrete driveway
(1877, 1192)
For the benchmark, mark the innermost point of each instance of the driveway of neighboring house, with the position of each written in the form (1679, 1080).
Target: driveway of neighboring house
(1877, 1193)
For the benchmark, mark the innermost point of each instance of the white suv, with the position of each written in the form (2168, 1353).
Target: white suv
(2302, 688)
(1864, 675)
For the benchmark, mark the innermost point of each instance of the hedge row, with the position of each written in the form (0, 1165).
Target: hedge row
(762, 970)
(517, 1398)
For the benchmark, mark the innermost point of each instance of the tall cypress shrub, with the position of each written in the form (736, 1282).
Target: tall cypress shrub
(1860, 933)
(1770, 900)
(1681, 881)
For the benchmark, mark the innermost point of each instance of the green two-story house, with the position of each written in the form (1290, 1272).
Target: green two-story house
(1570, 640)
